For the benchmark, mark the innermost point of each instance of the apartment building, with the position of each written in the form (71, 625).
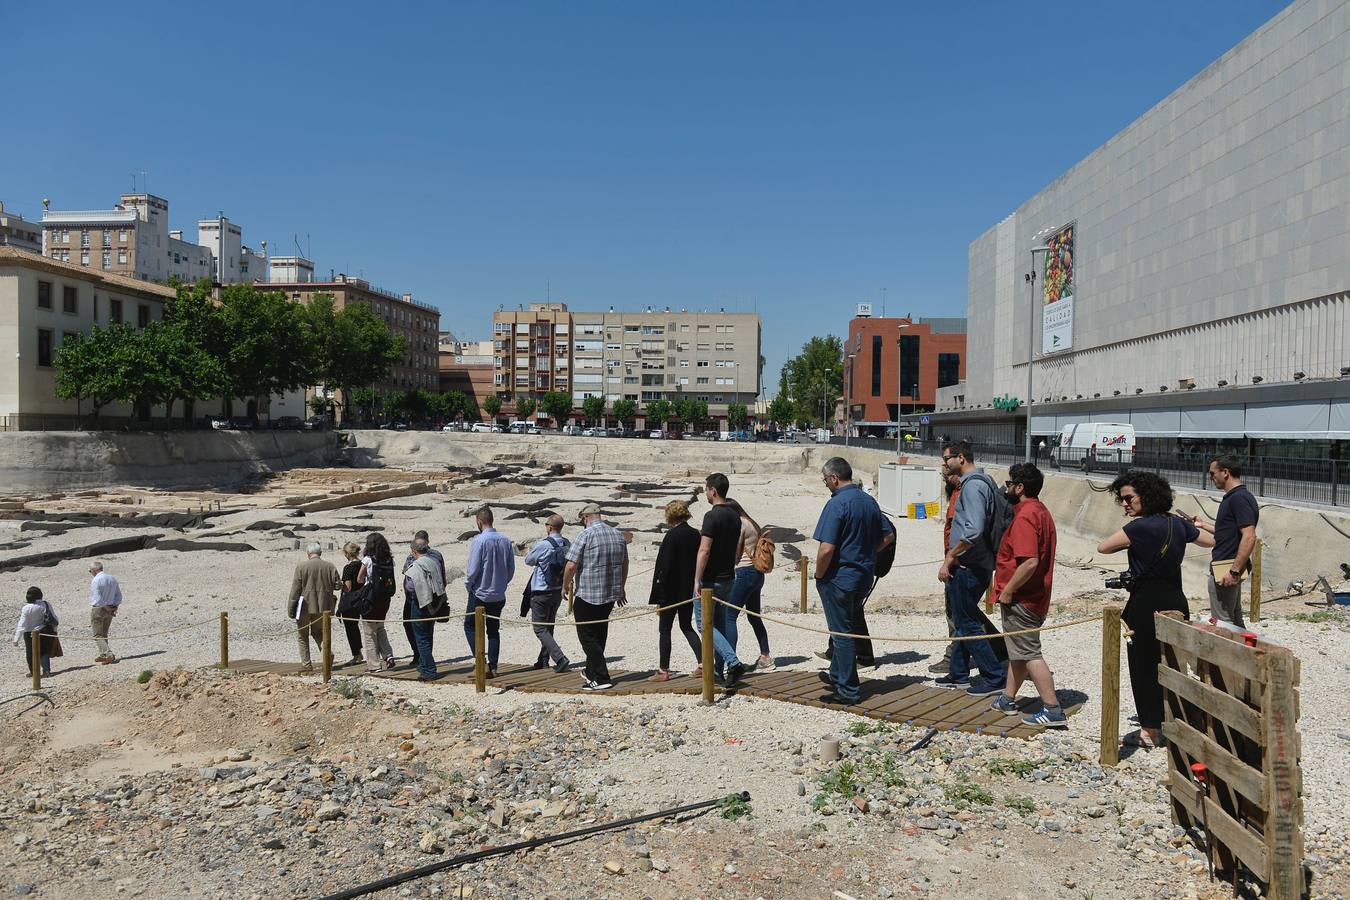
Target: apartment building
(290, 269)
(895, 366)
(418, 323)
(131, 239)
(15, 231)
(235, 262)
(640, 356)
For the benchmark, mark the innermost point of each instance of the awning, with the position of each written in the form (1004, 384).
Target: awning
(1306, 420)
(1215, 421)
(1338, 428)
(1159, 422)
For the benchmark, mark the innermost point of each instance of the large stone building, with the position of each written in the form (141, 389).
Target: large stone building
(1204, 258)
(131, 239)
(418, 324)
(895, 366)
(638, 356)
(17, 232)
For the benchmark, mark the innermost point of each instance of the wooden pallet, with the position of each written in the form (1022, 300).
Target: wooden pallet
(902, 700)
(1233, 707)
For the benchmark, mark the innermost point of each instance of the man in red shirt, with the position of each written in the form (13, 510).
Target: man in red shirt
(1023, 571)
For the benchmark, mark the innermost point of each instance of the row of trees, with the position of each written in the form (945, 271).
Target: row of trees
(251, 343)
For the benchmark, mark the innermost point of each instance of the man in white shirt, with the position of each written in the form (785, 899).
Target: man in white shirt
(105, 596)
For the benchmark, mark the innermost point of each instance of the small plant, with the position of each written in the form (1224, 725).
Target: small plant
(866, 727)
(1315, 618)
(963, 794)
(1022, 768)
(165, 598)
(1022, 805)
(840, 781)
(144, 676)
(734, 806)
(348, 687)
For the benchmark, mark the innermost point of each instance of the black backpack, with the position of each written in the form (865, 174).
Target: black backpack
(997, 519)
(381, 579)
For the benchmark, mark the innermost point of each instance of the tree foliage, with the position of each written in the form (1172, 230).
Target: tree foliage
(782, 411)
(525, 407)
(658, 412)
(738, 416)
(625, 411)
(594, 409)
(814, 378)
(492, 404)
(558, 405)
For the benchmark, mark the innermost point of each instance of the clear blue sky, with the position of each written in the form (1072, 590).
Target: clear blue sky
(793, 158)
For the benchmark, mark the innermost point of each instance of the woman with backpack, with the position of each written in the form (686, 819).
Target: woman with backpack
(756, 560)
(37, 622)
(377, 570)
(673, 582)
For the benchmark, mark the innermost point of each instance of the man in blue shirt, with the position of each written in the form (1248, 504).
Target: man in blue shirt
(851, 530)
(492, 565)
(544, 591)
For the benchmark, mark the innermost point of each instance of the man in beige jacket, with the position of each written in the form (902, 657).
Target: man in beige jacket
(311, 596)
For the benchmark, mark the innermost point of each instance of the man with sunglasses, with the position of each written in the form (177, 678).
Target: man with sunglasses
(966, 571)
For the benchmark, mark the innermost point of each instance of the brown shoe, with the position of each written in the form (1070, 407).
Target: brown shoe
(659, 675)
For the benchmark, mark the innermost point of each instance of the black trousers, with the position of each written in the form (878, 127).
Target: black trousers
(593, 637)
(666, 619)
(353, 630)
(1143, 652)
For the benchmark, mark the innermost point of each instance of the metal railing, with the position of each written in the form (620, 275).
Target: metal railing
(1324, 481)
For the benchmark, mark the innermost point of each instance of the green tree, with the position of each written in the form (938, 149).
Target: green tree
(738, 416)
(263, 342)
(367, 400)
(185, 369)
(525, 407)
(625, 411)
(84, 366)
(439, 407)
(782, 411)
(594, 409)
(351, 348)
(492, 404)
(320, 405)
(658, 413)
(396, 404)
(814, 378)
(558, 405)
(457, 404)
(471, 412)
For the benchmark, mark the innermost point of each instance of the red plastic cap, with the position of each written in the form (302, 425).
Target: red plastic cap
(1199, 771)
(1249, 638)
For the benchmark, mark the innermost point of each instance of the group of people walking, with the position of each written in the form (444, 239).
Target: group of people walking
(39, 625)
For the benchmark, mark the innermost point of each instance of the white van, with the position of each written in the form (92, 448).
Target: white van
(1090, 445)
(522, 427)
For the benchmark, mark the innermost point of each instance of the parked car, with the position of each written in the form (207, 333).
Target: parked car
(317, 423)
(593, 432)
(394, 426)
(655, 433)
(521, 427)
(674, 436)
(241, 423)
(572, 430)
(288, 423)
(481, 427)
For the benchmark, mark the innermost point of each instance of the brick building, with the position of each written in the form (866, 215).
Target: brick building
(894, 366)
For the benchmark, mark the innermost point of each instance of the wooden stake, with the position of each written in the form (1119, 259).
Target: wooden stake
(1110, 725)
(706, 598)
(327, 622)
(37, 659)
(224, 640)
(989, 599)
(479, 650)
(1256, 581)
(1284, 832)
(805, 570)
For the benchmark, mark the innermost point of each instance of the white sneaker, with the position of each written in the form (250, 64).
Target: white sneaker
(593, 686)
(765, 664)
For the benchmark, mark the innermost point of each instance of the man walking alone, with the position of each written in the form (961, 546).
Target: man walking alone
(1234, 530)
(597, 569)
(549, 557)
(311, 596)
(105, 597)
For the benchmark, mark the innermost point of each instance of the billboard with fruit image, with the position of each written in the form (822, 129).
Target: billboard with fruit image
(1058, 287)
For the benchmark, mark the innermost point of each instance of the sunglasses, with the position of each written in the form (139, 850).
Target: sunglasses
(1127, 499)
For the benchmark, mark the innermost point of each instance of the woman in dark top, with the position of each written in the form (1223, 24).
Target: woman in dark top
(673, 581)
(349, 624)
(1155, 541)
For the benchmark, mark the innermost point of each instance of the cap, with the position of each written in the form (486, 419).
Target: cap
(590, 509)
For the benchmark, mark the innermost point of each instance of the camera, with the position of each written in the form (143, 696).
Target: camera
(1122, 581)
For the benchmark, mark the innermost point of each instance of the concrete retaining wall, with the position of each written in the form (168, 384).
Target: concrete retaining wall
(41, 462)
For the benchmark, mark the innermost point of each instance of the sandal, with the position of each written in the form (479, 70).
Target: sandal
(659, 675)
(1140, 739)
(697, 673)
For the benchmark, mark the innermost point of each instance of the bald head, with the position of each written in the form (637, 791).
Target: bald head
(554, 523)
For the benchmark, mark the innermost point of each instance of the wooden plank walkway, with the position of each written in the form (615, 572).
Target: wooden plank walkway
(908, 701)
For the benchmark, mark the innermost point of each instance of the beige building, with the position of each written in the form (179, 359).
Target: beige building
(418, 323)
(131, 239)
(639, 356)
(15, 231)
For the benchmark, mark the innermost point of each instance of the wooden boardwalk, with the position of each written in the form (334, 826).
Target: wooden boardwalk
(908, 701)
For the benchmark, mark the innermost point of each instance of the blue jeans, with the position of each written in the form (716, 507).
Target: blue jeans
(422, 631)
(492, 627)
(965, 590)
(749, 582)
(724, 651)
(841, 610)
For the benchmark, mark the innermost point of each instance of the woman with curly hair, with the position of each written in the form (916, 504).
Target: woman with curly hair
(1155, 541)
(673, 583)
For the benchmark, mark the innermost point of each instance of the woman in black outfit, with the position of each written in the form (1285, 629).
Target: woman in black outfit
(349, 624)
(673, 581)
(1155, 541)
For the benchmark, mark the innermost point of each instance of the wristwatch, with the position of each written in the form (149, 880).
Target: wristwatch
(1235, 573)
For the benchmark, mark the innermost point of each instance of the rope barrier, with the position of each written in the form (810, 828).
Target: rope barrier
(132, 637)
(519, 622)
(920, 639)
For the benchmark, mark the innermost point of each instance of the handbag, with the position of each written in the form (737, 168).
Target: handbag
(357, 604)
(439, 608)
(49, 641)
(525, 601)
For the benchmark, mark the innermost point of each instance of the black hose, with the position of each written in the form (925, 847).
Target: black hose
(477, 855)
(39, 694)
(923, 741)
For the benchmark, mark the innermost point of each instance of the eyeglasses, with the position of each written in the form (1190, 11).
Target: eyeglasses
(948, 458)
(1127, 499)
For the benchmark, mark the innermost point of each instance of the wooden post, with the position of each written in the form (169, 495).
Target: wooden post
(1256, 581)
(327, 646)
(1279, 720)
(36, 663)
(224, 640)
(1110, 725)
(479, 650)
(805, 570)
(706, 599)
(989, 599)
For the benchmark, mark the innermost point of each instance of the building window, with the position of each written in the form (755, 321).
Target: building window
(143, 315)
(84, 257)
(876, 365)
(122, 235)
(107, 238)
(114, 309)
(949, 369)
(44, 347)
(122, 257)
(909, 365)
(84, 237)
(701, 380)
(107, 259)
(70, 300)
(44, 295)
(702, 364)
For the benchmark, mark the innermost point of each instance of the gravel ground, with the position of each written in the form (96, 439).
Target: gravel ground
(1086, 830)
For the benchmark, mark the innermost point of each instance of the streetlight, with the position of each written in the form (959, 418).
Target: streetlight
(1030, 279)
(848, 396)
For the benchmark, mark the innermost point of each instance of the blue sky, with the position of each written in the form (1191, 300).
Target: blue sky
(786, 157)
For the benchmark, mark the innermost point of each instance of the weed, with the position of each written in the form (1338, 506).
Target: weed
(963, 794)
(734, 806)
(165, 598)
(1022, 805)
(144, 676)
(348, 687)
(1315, 618)
(867, 726)
(840, 781)
(1022, 768)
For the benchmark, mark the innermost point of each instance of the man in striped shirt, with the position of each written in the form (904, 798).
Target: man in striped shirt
(597, 568)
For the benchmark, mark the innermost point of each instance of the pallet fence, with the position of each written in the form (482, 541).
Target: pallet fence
(1230, 718)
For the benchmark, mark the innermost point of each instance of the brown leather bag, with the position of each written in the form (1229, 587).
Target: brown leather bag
(765, 548)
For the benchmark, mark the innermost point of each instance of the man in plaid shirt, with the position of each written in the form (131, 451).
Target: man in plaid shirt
(597, 568)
